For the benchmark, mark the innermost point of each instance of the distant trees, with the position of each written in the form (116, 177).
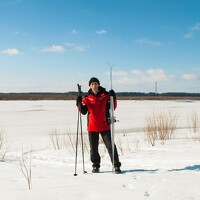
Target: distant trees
(121, 95)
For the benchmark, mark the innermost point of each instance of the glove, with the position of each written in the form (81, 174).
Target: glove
(112, 93)
(78, 100)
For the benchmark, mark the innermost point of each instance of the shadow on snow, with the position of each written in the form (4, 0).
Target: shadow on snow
(140, 170)
(188, 168)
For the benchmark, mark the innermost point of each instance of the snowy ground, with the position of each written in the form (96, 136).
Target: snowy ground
(163, 172)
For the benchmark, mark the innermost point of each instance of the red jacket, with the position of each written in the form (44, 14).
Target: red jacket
(97, 108)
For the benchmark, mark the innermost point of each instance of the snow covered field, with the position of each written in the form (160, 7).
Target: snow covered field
(163, 172)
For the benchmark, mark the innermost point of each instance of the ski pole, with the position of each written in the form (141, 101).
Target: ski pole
(79, 124)
(75, 174)
(82, 144)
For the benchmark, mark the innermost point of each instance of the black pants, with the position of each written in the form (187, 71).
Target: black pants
(94, 151)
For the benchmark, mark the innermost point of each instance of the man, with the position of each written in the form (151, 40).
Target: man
(96, 104)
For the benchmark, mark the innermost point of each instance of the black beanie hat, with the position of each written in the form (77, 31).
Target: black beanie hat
(94, 79)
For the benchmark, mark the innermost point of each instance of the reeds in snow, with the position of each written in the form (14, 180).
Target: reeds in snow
(160, 126)
(3, 144)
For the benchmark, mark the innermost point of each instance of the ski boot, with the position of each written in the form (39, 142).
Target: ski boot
(117, 170)
(95, 169)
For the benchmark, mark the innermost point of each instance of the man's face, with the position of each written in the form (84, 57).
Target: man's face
(94, 87)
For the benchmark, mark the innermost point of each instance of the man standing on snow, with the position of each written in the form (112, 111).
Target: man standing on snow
(96, 104)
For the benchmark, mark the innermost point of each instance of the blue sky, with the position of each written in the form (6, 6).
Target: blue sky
(51, 45)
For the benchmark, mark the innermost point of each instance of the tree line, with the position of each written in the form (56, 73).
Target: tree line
(120, 95)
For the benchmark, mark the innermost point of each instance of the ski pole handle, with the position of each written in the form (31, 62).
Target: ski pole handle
(79, 89)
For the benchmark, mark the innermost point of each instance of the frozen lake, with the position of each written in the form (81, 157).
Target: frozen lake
(169, 171)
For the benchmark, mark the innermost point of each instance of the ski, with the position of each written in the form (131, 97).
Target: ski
(112, 121)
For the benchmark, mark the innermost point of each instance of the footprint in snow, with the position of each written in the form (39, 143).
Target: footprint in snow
(146, 194)
(129, 186)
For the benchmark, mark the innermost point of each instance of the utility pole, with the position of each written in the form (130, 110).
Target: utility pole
(156, 88)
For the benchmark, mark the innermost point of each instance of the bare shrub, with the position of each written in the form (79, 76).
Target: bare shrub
(136, 144)
(151, 130)
(67, 141)
(25, 165)
(167, 124)
(70, 141)
(125, 143)
(194, 122)
(196, 138)
(194, 125)
(3, 144)
(56, 140)
(160, 126)
(119, 144)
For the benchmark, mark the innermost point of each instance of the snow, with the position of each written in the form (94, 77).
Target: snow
(169, 171)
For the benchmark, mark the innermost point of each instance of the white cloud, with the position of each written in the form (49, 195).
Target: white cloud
(189, 77)
(54, 49)
(69, 44)
(17, 33)
(158, 75)
(126, 81)
(119, 73)
(80, 48)
(188, 35)
(144, 41)
(136, 72)
(143, 77)
(196, 27)
(75, 47)
(196, 68)
(101, 32)
(74, 31)
(11, 52)
(192, 30)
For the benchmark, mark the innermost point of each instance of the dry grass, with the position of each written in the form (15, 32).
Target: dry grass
(57, 140)
(194, 122)
(126, 144)
(3, 144)
(194, 125)
(68, 141)
(25, 166)
(160, 126)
